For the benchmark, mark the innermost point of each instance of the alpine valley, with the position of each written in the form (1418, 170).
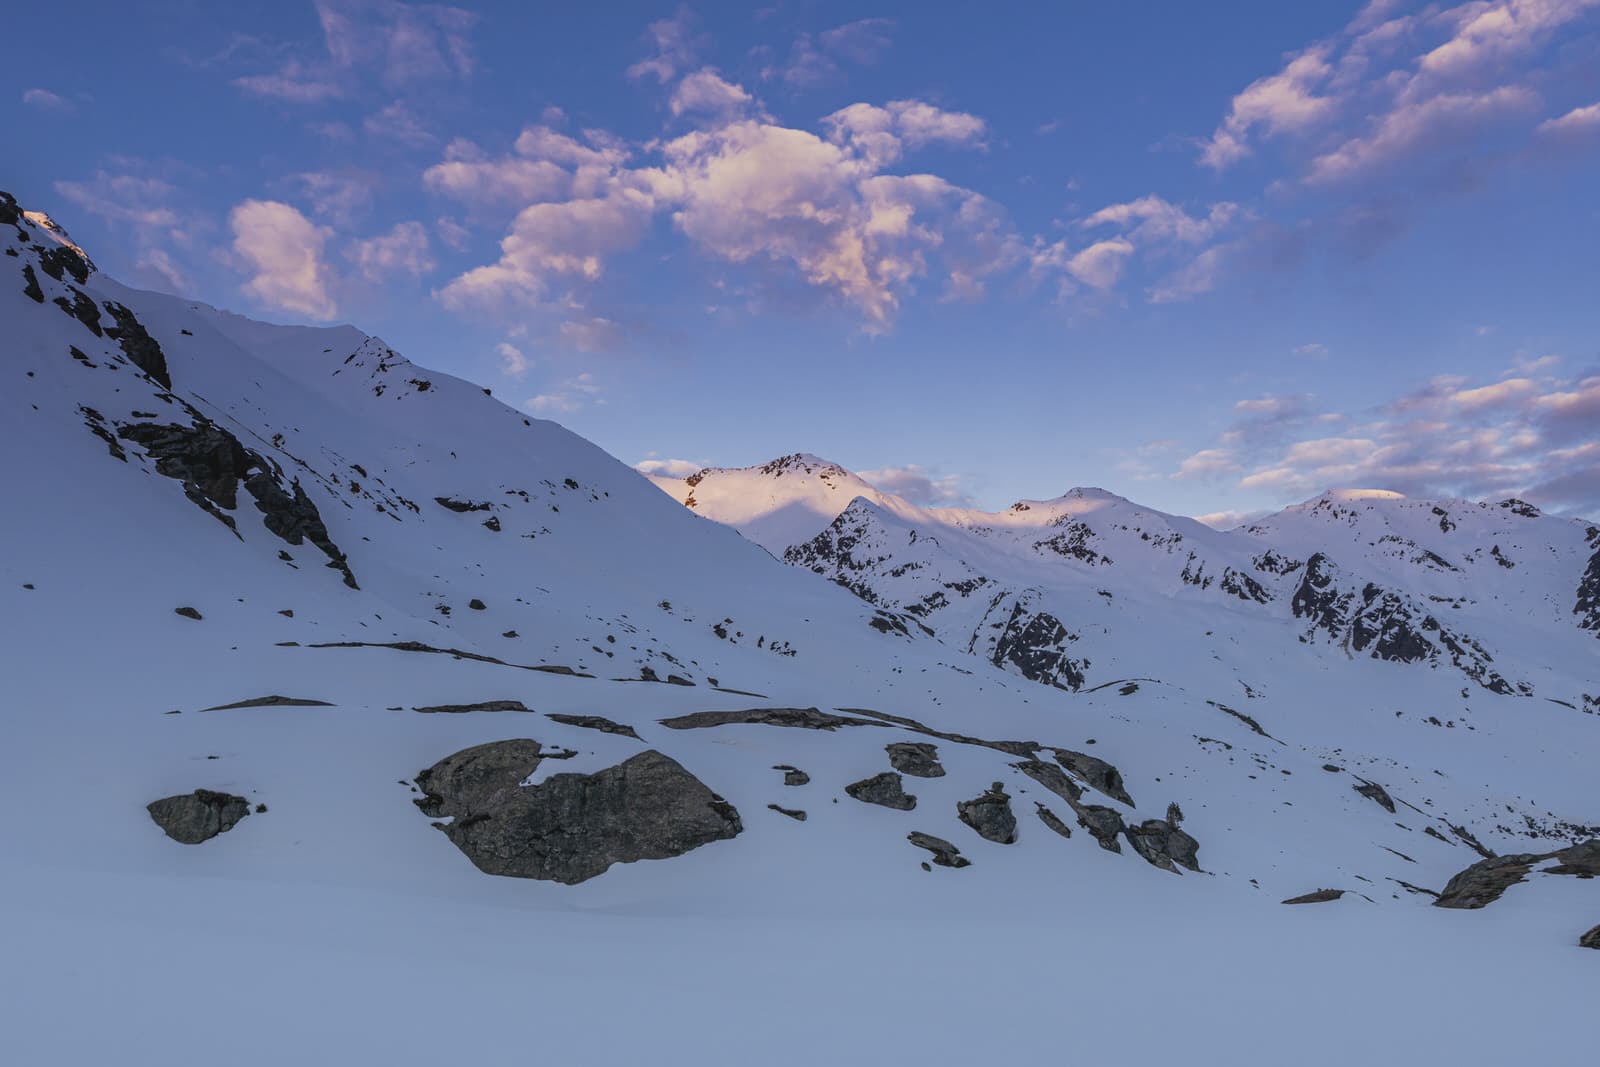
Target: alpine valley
(352, 713)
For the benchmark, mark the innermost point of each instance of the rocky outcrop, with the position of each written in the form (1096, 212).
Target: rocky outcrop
(1096, 772)
(1034, 643)
(570, 827)
(141, 349)
(1053, 821)
(1590, 939)
(800, 718)
(1377, 794)
(793, 813)
(1587, 607)
(944, 853)
(1104, 824)
(594, 722)
(990, 815)
(792, 775)
(463, 709)
(1163, 844)
(918, 759)
(212, 464)
(884, 790)
(190, 818)
(1320, 896)
(1487, 880)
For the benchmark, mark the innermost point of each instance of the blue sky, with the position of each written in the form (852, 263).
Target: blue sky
(1213, 257)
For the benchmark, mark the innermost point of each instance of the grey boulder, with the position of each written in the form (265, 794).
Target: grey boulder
(191, 818)
(570, 827)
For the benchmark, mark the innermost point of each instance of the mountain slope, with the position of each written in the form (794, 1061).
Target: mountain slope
(395, 589)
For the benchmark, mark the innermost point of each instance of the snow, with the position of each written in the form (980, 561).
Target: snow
(340, 920)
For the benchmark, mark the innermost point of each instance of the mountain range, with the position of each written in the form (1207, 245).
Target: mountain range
(335, 679)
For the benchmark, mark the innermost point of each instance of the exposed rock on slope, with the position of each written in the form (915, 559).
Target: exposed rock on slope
(191, 818)
(570, 827)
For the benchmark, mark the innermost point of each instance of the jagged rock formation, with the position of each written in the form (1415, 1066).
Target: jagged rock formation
(918, 759)
(944, 853)
(886, 790)
(990, 815)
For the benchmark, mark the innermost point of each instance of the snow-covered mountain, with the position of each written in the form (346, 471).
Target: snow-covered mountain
(283, 592)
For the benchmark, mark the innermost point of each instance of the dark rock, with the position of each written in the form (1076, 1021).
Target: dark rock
(1050, 819)
(188, 613)
(802, 718)
(1163, 844)
(462, 709)
(82, 308)
(570, 827)
(1321, 896)
(1590, 939)
(990, 815)
(1582, 860)
(1376, 793)
(1485, 881)
(593, 722)
(191, 818)
(792, 775)
(137, 344)
(476, 605)
(793, 813)
(1097, 772)
(1054, 779)
(918, 759)
(1104, 824)
(1034, 642)
(270, 702)
(461, 506)
(944, 853)
(882, 789)
(30, 287)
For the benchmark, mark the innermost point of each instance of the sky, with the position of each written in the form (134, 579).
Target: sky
(1215, 258)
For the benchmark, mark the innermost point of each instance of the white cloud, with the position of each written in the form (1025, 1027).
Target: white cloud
(397, 45)
(45, 100)
(513, 361)
(403, 250)
(1576, 124)
(919, 486)
(1150, 218)
(571, 395)
(669, 468)
(398, 123)
(674, 46)
(706, 92)
(1431, 123)
(1283, 102)
(1312, 348)
(285, 251)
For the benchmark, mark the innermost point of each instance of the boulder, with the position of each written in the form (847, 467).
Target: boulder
(191, 818)
(1163, 844)
(990, 815)
(1483, 883)
(570, 827)
(944, 853)
(1377, 794)
(792, 775)
(1096, 772)
(1104, 824)
(1590, 939)
(1052, 820)
(918, 759)
(882, 789)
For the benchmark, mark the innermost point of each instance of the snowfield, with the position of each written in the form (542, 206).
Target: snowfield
(366, 538)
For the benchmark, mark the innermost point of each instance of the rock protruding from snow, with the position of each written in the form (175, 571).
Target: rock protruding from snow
(1590, 939)
(1319, 896)
(944, 853)
(990, 815)
(191, 818)
(916, 758)
(886, 790)
(1095, 771)
(570, 827)
(1162, 844)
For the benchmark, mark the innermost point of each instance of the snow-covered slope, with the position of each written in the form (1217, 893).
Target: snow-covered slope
(381, 567)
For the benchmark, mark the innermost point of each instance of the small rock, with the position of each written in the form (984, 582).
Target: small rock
(918, 759)
(1321, 896)
(462, 709)
(944, 853)
(476, 605)
(594, 722)
(190, 818)
(990, 815)
(1590, 939)
(798, 816)
(188, 613)
(882, 789)
(792, 775)
(1376, 793)
(1050, 819)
